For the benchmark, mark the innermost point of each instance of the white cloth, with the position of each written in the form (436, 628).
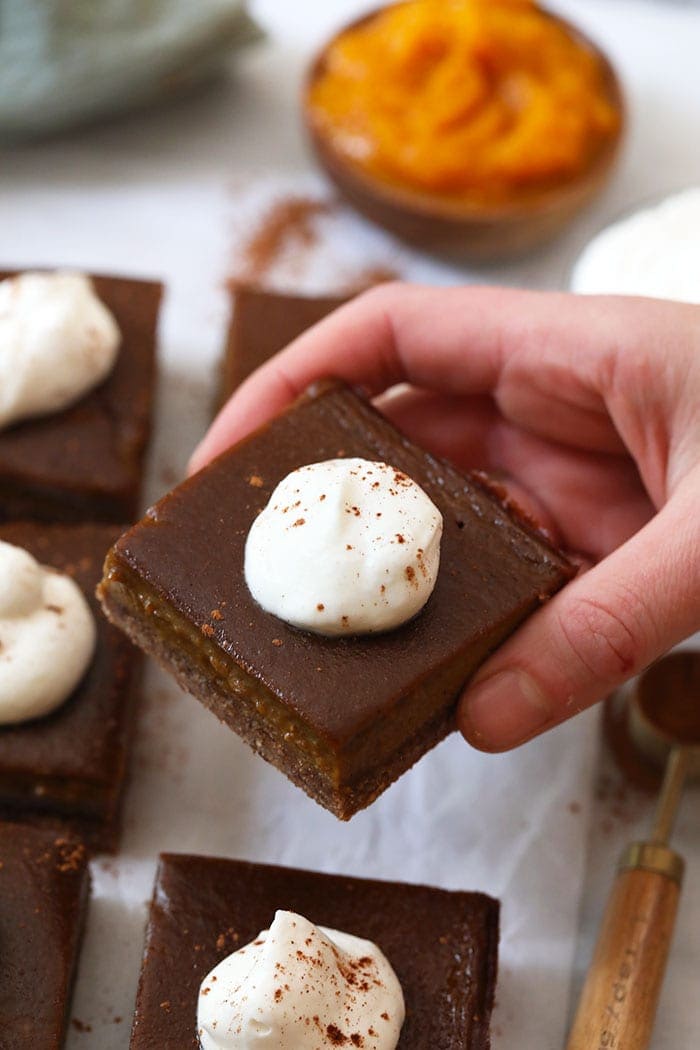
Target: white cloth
(63, 62)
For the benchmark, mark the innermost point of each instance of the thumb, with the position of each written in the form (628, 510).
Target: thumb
(599, 630)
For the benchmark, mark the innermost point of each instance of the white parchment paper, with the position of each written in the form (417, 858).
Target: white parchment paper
(174, 194)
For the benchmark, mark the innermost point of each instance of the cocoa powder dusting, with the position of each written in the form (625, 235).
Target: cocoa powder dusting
(288, 223)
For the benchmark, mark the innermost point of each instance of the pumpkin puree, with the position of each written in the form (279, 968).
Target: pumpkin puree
(478, 100)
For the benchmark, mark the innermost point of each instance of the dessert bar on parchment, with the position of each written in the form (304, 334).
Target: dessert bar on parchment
(68, 769)
(85, 462)
(342, 717)
(44, 887)
(442, 945)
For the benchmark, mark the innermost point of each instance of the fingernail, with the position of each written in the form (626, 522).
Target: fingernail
(503, 711)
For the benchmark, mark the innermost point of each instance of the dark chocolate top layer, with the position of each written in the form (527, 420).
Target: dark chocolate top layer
(43, 894)
(443, 945)
(96, 445)
(264, 323)
(84, 738)
(190, 550)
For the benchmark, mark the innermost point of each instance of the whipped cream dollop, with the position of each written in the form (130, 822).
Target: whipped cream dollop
(47, 636)
(301, 987)
(346, 546)
(655, 251)
(57, 341)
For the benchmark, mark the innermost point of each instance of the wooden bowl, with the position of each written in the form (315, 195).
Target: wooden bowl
(480, 233)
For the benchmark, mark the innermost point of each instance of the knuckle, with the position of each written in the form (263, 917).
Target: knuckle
(611, 639)
(381, 298)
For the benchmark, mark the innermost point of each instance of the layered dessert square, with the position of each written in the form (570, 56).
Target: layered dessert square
(68, 768)
(263, 323)
(342, 716)
(85, 462)
(44, 887)
(442, 946)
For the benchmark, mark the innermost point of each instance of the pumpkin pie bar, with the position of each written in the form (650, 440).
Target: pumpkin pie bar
(263, 323)
(68, 769)
(85, 463)
(442, 945)
(44, 887)
(342, 717)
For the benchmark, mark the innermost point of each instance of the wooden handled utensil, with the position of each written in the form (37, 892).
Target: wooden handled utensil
(618, 1003)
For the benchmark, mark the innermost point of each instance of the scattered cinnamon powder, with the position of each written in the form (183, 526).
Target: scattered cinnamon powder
(289, 222)
(71, 855)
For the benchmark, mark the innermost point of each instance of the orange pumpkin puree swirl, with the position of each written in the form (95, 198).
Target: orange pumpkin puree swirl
(476, 100)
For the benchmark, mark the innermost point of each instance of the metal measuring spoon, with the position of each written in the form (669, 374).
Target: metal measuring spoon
(618, 1003)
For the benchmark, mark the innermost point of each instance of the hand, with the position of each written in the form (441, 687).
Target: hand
(593, 404)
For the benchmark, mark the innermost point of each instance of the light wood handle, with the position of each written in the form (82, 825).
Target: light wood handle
(618, 1003)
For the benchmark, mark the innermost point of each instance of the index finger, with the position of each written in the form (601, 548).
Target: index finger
(456, 340)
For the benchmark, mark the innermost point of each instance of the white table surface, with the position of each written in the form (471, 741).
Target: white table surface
(172, 193)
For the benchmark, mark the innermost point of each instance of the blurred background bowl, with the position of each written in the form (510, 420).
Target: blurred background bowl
(475, 232)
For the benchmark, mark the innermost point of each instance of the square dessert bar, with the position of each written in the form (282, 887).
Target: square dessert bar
(263, 323)
(342, 717)
(86, 462)
(443, 945)
(44, 887)
(68, 769)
